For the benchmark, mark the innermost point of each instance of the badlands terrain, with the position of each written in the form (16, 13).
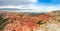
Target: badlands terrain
(29, 21)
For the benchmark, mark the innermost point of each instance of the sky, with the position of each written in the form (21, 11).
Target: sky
(40, 5)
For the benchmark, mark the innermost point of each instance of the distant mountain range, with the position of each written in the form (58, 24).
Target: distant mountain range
(20, 10)
(13, 9)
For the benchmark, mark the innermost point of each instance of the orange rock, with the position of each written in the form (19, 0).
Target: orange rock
(25, 23)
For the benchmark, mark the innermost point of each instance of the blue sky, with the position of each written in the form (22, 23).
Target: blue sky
(49, 2)
(41, 5)
(25, 2)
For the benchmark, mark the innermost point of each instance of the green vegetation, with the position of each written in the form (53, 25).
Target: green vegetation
(3, 22)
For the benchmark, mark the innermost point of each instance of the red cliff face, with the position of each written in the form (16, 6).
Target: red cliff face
(24, 22)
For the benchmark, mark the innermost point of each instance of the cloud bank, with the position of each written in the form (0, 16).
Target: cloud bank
(38, 5)
(16, 2)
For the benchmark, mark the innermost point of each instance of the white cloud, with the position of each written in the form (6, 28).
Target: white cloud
(16, 2)
(41, 8)
(28, 4)
(8, 6)
(33, 0)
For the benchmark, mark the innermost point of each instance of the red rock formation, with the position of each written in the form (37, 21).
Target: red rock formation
(24, 23)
